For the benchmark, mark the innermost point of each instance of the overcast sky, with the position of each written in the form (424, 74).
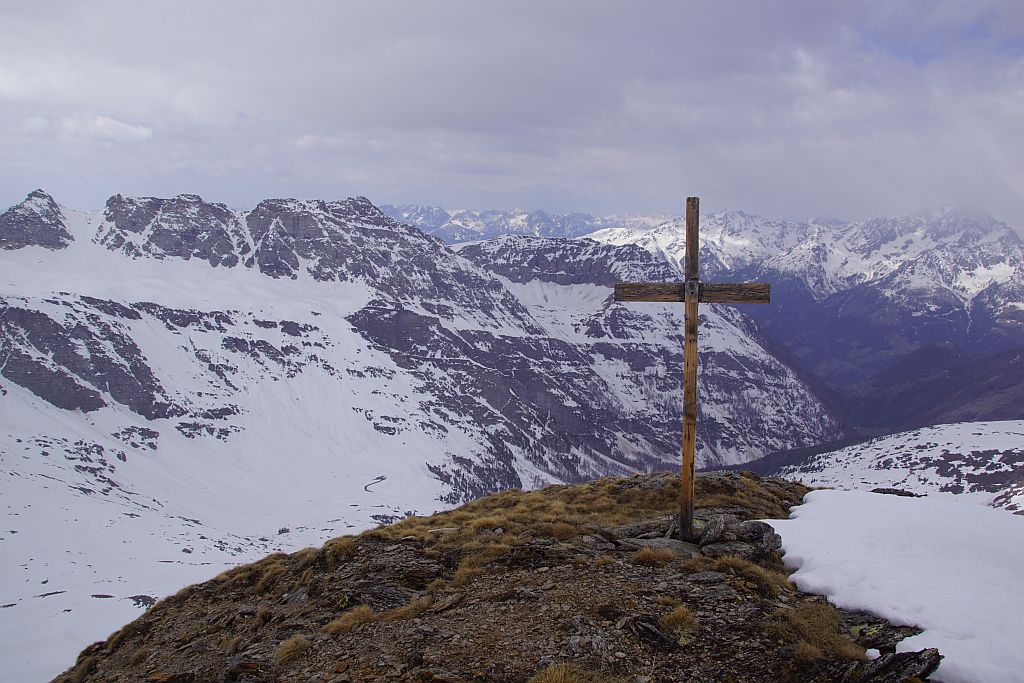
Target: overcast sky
(788, 109)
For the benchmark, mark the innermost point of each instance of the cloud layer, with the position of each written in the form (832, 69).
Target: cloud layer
(789, 109)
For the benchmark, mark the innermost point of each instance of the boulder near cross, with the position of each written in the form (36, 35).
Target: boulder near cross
(691, 292)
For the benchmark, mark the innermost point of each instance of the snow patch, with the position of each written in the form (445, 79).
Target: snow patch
(946, 566)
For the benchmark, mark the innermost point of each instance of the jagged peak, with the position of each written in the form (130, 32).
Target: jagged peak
(40, 193)
(944, 221)
(38, 220)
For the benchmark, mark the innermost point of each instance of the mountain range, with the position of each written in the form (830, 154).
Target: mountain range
(899, 322)
(851, 299)
(465, 225)
(184, 387)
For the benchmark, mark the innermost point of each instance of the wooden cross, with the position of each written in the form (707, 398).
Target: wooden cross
(691, 292)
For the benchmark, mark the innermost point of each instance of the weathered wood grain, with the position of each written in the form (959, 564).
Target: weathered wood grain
(735, 293)
(692, 271)
(710, 292)
(692, 237)
(649, 291)
(686, 531)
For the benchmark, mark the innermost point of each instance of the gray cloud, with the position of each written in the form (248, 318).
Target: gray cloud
(789, 109)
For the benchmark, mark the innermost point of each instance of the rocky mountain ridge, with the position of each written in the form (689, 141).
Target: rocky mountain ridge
(977, 460)
(37, 221)
(464, 225)
(570, 584)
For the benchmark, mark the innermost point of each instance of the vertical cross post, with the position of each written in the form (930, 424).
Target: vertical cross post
(692, 295)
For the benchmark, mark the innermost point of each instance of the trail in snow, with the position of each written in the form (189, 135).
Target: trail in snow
(377, 480)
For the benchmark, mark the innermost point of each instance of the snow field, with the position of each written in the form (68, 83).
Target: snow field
(948, 566)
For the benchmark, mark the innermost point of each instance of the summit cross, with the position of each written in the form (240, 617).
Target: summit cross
(690, 293)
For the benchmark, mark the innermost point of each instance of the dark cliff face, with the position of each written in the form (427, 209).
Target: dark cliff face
(37, 221)
(352, 240)
(644, 343)
(941, 384)
(565, 262)
(183, 227)
(78, 354)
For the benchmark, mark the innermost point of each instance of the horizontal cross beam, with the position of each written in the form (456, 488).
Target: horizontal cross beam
(710, 292)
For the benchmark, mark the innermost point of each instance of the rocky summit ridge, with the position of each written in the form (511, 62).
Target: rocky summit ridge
(569, 583)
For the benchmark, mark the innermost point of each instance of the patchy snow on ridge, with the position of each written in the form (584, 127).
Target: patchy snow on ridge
(980, 460)
(945, 565)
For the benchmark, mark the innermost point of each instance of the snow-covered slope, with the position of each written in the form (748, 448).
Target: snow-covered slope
(960, 250)
(982, 460)
(183, 387)
(750, 402)
(730, 240)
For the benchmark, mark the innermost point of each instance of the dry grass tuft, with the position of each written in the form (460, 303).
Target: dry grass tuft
(744, 492)
(807, 653)
(779, 631)
(305, 557)
(699, 563)
(82, 670)
(768, 582)
(668, 600)
(291, 649)
(817, 624)
(138, 656)
(554, 512)
(117, 639)
(270, 576)
(604, 561)
(653, 557)
(340, 550)
(231, 645)
(814, 631)
(347, 621)
(558, 530)
(408, 611)
(478, 555)
(679, 622)
(567, 673)
(464, 574)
